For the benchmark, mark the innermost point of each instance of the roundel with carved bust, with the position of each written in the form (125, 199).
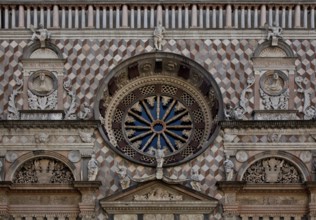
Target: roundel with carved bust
(159, 106)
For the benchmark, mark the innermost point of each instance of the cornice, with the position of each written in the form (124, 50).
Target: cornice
(264, 124)
(171, 34)
(49, 123)
(155, 2)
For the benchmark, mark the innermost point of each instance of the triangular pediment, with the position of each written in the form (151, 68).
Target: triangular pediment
(157, 194)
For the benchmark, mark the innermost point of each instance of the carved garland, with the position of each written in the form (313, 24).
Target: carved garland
(43, 170)
(272, 170)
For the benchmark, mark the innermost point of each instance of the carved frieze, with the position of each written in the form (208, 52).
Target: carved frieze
(43, 170)
(272, 170)
(158, 194)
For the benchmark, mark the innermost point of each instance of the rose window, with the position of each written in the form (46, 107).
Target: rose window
(158, 122)
(143, 112)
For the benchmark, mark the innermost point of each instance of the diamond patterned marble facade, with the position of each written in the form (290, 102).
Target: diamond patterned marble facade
(228, 61)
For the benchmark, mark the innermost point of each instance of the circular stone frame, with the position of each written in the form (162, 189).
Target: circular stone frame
(135, 87)
(36, 75)
(269, 76)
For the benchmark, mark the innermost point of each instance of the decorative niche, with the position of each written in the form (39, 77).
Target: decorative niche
(42, 83)
(274, 68)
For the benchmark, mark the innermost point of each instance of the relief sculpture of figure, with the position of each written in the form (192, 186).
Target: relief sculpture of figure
(158, 36)
(275, 83)
(274, 33)
(93, 168)
(229, 168)
(124, 178)
(41, 34)
(42, 85)
(195, 180)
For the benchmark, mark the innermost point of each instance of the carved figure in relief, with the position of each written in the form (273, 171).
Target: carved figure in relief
(41, 138)
(274, 33)
(275, 83)
(93, 168)
(42, 84)
(124, 178)
(85, 137)
(229, 168)
(195, 180)
(41, 34)
(158, 36)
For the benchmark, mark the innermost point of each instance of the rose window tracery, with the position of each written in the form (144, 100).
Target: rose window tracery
(161, 122)
(155, 105)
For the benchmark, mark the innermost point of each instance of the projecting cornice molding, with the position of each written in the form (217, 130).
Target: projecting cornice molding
(269, 124)
(171, 34)
(49, 124)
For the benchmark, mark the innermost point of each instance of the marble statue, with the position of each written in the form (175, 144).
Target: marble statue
(229, 168)
(195, 180)
(41, 34)
(124, 178)
(93, 168)
(274, 33)
(158, 36)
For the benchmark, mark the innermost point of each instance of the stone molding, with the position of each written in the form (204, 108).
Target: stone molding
(193, 202)
(269, 124)
(123, 33)
(59, 124)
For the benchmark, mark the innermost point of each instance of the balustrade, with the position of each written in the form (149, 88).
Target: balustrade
(208, 16)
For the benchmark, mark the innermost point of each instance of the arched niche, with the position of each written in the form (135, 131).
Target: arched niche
(137, 98)
(274, 68)
(274, 167)
(50, 165)
(43, 76)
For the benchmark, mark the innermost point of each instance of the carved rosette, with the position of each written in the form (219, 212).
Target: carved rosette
(159, 105)
(43, 170)
(272, 170)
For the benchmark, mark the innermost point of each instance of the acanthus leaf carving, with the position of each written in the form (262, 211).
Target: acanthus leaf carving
(70, 113)
(43, 170)
(308, 110)
(272, 170)
(43, 103)
(13, 111)
(275, 102)
(238, 113)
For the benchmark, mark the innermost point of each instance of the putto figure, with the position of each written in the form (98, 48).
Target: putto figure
(41, 34)
(158, 36)
(274, 33)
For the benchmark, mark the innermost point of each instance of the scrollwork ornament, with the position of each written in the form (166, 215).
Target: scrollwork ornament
(70, 113)
(13, 111)
(238, 113)
(308, 110)
(272, 170)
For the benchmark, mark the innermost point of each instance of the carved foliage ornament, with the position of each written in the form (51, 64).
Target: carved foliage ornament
(43, 170)
(272, 170)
